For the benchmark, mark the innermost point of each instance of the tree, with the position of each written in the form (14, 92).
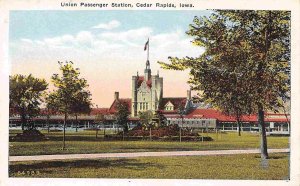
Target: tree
(50, 107)
(25, 95)
(162, 120)
(122, 114)
(81, 104)
(181, 112)
(146, 119)
(69, 93)
(100, 118)
(245, 66)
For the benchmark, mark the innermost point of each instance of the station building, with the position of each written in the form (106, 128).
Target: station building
(147, 95)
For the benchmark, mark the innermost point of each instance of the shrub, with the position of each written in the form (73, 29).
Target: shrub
(155, 138)
(29, 135)
(171, 130)
(167, 133)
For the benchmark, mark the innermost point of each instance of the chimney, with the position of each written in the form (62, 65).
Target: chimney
(188, 94)
(116, 95)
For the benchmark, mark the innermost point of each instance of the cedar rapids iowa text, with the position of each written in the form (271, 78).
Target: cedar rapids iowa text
(126, 5)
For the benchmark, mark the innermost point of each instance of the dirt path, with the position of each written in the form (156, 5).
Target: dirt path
(137, 154)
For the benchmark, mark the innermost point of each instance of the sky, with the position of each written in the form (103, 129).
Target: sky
(107, 47)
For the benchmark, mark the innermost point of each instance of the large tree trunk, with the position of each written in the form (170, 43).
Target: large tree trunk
(64, 135)
(125, 128)
(286, 116)
(23, 122)
(48, 124)
(104, 129)
(76, 122)
(239, 127)
(263, 140)
(96, 132)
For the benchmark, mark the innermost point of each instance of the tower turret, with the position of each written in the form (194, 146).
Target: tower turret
(134, 95)
(147, 71)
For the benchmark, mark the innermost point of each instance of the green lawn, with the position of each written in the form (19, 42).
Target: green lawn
(85, 142)
(246, 166)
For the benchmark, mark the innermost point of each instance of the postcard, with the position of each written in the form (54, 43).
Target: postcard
(143, 93)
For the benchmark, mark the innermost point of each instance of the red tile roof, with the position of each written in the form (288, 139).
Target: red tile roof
(96, 111)
(175, 101)
(45, 111)
(166, 112)
(215, 114)
(113, 107)
(211, 113)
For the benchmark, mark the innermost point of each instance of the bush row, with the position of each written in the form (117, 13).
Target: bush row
(155, 138)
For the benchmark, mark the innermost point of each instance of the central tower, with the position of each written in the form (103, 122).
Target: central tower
(147, 90)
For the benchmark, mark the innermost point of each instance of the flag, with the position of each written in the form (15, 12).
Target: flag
(146, 45)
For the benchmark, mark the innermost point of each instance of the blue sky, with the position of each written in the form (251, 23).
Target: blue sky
(106, 45)
(40, 24)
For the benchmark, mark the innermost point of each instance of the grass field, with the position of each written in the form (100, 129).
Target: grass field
(85, 142)
(243, 166)
(246, 166)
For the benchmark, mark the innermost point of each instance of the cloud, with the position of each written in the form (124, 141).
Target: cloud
(108, 26)
(84, 38)
(26, 40)
(125, 45)
(133, 37)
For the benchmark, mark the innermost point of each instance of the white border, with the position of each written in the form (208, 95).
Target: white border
(292, 5)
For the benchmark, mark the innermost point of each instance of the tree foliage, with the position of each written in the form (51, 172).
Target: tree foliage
(82, 103)
(25, 95)
(162, 120)
(246, 63)
(122, 114)
(146, 119)
(70, 95)
(181, 111)
(100, 119)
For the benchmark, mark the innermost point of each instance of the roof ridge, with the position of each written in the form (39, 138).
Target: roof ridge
(173, 97)
(112, 105)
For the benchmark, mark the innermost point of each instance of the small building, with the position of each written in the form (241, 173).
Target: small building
(207, 118)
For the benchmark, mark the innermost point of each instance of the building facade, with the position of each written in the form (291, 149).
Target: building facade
(147, 92)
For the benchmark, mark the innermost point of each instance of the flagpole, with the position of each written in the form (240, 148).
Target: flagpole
(148, 50)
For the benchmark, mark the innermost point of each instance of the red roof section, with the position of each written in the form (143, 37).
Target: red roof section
(96, 111)
(212, 113)
(166, 112)
(113, 107)
(45, 111)
(141, 79)
(175, 101)
(215, 114)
